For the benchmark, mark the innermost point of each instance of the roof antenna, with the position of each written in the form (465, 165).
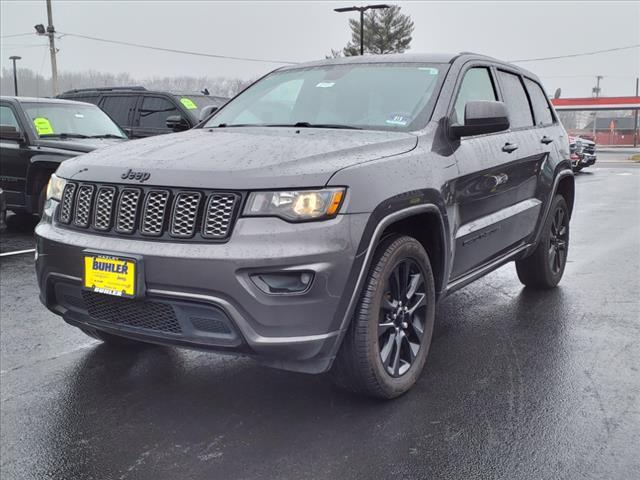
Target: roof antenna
(205, 91)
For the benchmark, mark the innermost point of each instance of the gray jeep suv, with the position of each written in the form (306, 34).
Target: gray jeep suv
(316, 219)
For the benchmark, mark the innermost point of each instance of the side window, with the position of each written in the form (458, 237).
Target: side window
(154, 112)
(516, 100)
(540, 103)
(8, 118)
(88, 99)
(119, 108)
(476, 85)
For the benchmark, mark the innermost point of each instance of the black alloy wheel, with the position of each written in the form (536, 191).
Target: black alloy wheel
(402, 317)
(558, 240)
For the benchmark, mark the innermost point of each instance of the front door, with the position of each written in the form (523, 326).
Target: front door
(496, 207)
(14, 160)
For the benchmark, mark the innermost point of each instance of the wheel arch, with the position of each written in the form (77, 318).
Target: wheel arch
(566, 188)
(428, 229)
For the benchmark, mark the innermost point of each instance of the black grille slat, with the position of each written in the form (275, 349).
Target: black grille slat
(103, 212)
(147, 315)
(84, 199)
(127, 210)
(145, 212)
(184, 214)
(218, 215)
(66, 204)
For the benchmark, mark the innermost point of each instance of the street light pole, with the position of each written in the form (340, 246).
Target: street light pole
(15, 73)
(361, 10)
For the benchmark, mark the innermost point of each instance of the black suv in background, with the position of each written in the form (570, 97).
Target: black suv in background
(144, 113)
(315, 220)
(36, 134)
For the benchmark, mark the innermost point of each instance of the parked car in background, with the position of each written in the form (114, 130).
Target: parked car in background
(316, 219)
(36, 135)
(144, 113)
(583, 152)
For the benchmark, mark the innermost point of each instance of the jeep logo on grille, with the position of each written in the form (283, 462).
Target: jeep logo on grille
(133, 175)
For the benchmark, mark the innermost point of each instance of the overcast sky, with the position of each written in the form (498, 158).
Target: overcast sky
(300, 31)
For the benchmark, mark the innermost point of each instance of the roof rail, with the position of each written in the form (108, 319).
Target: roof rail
(105, 89)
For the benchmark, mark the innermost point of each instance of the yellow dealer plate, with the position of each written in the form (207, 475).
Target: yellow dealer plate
(110, 275)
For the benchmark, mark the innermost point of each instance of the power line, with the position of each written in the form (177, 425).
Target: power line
(595, 52)
(172, 50)
(17, 35)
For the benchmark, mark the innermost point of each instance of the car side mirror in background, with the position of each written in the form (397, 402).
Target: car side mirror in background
(482, 117)
(9, 132)
(177, 123)
(207, 111)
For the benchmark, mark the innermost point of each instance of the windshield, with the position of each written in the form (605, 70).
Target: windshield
(70, 120)
(195, 103)
(392, 96)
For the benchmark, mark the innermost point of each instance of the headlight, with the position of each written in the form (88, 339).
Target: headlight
(55, 187)
(296, 205)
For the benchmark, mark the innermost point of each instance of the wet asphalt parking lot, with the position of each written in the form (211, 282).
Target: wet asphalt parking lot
(518, 384)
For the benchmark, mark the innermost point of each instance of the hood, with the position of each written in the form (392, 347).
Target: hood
(80, 145)
(238, 157)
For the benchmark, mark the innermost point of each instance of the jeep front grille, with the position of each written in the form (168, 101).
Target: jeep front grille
(149, 212)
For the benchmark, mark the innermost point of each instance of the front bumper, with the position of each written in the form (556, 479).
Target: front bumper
(211, 283)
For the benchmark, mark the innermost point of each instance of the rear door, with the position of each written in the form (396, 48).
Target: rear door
(495, 194)
(121, 109)
(151, 118)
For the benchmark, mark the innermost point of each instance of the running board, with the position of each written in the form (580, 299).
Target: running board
(484, 269)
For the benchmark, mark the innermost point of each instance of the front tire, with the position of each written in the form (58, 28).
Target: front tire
(386, 346)
(543, 269)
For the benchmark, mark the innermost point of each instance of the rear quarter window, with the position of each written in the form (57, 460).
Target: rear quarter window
(541, 108)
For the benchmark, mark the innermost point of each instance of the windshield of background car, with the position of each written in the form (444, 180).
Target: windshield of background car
(68, 119)
(195, 103)
(388, 96)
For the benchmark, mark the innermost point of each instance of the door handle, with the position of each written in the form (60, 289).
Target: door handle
(509, 147)
(546, 140)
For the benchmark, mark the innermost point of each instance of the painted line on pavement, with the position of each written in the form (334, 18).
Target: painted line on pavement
(17, 252)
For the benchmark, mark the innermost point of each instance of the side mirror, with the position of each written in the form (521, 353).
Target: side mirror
(482, 117)
(177, 123)
(9, 132)
(207, 111)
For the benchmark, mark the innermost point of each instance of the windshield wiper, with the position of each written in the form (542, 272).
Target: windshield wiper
(296, 125)
(106, 135)
(63, 136)
(315, 125)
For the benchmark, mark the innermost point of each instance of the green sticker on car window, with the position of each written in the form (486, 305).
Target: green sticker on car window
(188, 103)
(43, 126)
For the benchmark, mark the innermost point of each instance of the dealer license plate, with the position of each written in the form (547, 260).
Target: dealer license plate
(110, 275)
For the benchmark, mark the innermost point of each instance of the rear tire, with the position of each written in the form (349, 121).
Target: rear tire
(543, 269)
(386, 346)
(114, 340)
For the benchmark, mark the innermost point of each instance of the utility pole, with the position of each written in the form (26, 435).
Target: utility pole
(15, 73)
(635, 118)
(52, 47)
(361, 10)
(596, 93)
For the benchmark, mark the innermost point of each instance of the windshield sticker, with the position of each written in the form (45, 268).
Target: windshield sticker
(429, 70)
(188, 103)
(78, 115)
(397, 119)
(43, 126)
(325, 84)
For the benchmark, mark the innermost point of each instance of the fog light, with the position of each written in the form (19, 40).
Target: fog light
(283, 282)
